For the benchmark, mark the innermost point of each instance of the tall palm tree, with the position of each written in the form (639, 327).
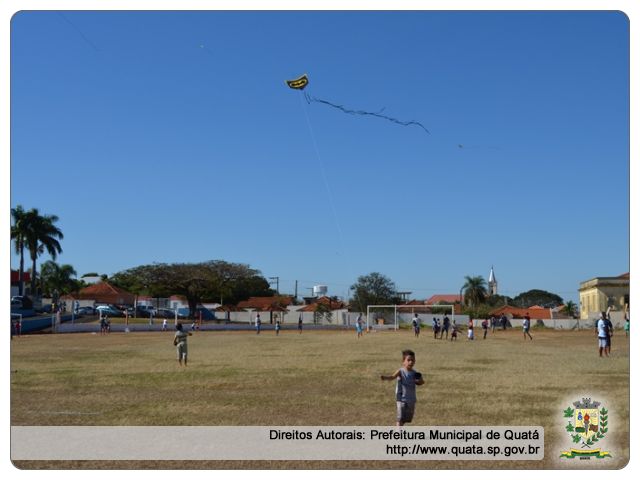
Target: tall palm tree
(475, 290)
(41, 235)
(570, 308)
(57, 277)
(18, 235)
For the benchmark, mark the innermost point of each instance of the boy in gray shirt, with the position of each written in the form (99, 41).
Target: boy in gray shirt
(407, 379)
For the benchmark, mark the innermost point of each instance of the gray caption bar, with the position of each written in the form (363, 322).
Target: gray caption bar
(278, 443)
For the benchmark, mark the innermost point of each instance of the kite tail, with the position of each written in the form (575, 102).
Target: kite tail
(310, 99)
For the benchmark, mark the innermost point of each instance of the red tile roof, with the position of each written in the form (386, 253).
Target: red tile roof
(536, 313)
(445, 297)
(266, 303)
(332, 304)
(104, 292)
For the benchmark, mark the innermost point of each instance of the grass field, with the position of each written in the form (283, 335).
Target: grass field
(317, 378)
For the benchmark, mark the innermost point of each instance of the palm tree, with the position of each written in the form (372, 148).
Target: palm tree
(475, 290)
(41, 234)
(57, 277)
(570, 308)
(18, 234)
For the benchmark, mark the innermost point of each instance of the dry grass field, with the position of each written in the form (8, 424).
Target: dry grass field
(317, 378)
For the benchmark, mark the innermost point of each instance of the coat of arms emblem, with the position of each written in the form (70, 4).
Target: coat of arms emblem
(587, 424)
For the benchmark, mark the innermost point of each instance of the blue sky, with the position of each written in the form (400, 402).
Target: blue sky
(172, 137)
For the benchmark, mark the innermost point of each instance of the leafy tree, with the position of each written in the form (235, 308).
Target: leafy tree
(481, 310)
(537, 297)
(475, 290)
(54, 277)
(322, 312)
(40, 234)
(571, 309)
(498, 300)
(18, 235)
(373, 289)
(196, 281)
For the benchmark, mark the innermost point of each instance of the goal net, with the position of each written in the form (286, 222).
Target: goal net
(392, 317)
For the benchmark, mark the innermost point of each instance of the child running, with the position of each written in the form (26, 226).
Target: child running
(180, 341)
(407, 379)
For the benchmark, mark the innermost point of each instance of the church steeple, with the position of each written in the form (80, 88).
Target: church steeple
(492, 283)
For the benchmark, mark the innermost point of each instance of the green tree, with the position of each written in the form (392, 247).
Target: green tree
(571, 309)
(54, 277)
(18, 235)
(475, 290)
(373, 289)
(210, 280)
(322, 312)
(498, 300)
(40, 234)
(537, 297)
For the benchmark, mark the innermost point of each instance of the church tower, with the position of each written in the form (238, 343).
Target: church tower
(493, 283)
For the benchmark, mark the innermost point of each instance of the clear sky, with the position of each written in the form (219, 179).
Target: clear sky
(172, 137)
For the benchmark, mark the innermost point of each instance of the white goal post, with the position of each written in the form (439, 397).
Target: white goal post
(398, 310)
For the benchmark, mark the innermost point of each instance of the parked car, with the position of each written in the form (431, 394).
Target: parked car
(20, 301)
(109, 310)
(165, 313)
(145, 311)
(85, 311)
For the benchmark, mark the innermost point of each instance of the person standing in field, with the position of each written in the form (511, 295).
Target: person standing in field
(407, 378)
(607, 319)
(300, 324)
(416, 325)
(359, 326)
(503, 321)
(601, 332)
(164, 325)
(470, 329)
(445, 327)
(435, 324)
(526, 325)
(258, 324)
(454, 331)
(180, 341)
(494, 322)
(485, 328)
(626, 327)
(103, 324)
(278, 327)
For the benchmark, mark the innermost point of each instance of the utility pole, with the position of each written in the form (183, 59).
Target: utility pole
(296, 291)
(277, 282)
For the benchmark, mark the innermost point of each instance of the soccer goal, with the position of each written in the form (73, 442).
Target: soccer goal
(388, 317)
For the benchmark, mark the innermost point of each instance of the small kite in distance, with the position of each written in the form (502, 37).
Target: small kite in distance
(298, 83)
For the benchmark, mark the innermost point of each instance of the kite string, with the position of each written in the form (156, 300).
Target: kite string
(378, 114)
(326, 181)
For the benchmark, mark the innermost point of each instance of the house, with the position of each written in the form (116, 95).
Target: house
(536, 312)
(102, 292)
(265, 303)
(330, 303)
(15, 282)
(601, 293)
(446, 299)
(276, 306)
